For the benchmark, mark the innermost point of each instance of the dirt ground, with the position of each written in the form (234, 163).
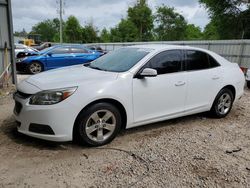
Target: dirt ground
(194, 151)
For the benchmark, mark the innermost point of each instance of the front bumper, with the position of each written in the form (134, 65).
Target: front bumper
(59, 117)
(22, 67)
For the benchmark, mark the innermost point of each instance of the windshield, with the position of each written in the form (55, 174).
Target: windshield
(120, 60)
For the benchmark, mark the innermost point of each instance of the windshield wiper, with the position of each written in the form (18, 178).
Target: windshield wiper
(97, 68)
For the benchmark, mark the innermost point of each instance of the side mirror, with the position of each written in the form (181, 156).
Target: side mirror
(49, 54)
(148, 72)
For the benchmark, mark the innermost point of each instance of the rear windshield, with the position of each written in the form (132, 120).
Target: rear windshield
(120, 60)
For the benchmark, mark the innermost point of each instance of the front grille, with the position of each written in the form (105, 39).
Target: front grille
(18, 107)
(41, 129)
(22, 95)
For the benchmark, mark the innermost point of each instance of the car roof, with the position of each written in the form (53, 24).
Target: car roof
(69, 45)
(165, 47)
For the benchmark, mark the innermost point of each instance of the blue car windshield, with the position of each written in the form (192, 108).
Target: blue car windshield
(120, 60)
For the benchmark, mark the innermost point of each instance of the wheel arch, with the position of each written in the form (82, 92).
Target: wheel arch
(231, 88)
(114, 102)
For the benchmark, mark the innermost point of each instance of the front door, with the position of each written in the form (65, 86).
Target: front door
(164, 95)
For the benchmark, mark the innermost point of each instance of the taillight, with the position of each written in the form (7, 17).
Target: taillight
(244, 70)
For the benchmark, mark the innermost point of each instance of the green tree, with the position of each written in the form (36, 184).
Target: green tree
(105, 35)
(193, 32)
(229, 20)
(210, 32)
(73, 30)
(141, 15)
(89, 34)
(170, 25)
(47, 29)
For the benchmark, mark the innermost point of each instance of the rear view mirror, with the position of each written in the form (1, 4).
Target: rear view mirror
(148, 72)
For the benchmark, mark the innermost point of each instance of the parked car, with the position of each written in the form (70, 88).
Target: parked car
(129, 87)
(22, 50)
(44, 46)
(97, 48)
(56, 57)
(248, 78)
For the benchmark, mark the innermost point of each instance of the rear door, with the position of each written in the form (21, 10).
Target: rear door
(203, 80)
(58, 57)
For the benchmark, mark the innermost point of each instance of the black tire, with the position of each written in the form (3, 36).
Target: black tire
(248, 84)
(38, 65)
(216, 110)
(82, 123)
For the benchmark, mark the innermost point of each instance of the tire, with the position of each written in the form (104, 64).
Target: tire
(35, 67)
(222, 104)
(248, 84)
(93, 129)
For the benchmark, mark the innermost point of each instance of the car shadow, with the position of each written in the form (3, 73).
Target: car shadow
(9, 129)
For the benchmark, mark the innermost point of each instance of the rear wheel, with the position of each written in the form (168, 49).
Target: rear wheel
(35, 67)
(222, 104)
(248, 84)
(98, 125)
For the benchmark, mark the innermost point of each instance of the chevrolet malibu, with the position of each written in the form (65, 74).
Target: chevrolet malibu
(129, 87)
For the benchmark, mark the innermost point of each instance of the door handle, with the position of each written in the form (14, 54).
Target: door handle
(215, 77)
(180, 83)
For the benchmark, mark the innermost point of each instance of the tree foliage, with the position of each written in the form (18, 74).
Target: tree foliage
(89, 34)
(193, 32)
(170, 25)
(228, 18)
(228, 21)
(46, 29)
(73, 30)
(141, 15)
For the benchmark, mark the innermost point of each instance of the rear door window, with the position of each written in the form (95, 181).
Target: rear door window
(63, 50)
(198, 60)
(79, 50)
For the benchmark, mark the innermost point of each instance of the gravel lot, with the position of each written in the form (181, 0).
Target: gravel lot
(193, 151)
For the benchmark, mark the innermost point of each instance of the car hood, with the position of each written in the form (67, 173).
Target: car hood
(65, 77)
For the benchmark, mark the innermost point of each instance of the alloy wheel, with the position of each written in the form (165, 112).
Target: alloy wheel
(100, 125)
(35, 68)
(224, 103)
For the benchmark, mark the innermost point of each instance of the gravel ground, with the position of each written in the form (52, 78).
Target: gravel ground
(193, 151)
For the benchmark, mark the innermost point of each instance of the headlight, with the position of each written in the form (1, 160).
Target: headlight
(51, 96)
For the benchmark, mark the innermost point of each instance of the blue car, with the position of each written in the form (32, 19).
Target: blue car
(56, 57)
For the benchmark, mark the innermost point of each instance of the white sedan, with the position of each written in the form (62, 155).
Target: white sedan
(129, 87)
(248, 78)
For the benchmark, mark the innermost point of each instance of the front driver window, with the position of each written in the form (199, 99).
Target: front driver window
(166, 62)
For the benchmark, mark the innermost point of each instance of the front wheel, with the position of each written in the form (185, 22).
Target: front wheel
(35, 67)
(222, 104)
(98, 125)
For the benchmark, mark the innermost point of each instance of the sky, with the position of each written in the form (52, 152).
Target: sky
(102, 13)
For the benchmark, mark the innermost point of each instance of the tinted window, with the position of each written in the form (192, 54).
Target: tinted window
(63, 50)
(196, 60)
(167, 62)
(213, 62)
(79, 50)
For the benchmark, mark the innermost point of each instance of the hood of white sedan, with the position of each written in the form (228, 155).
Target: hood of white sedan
(66, 77)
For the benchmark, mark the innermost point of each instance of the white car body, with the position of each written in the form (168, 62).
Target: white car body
(23, 48)
(144, 100)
